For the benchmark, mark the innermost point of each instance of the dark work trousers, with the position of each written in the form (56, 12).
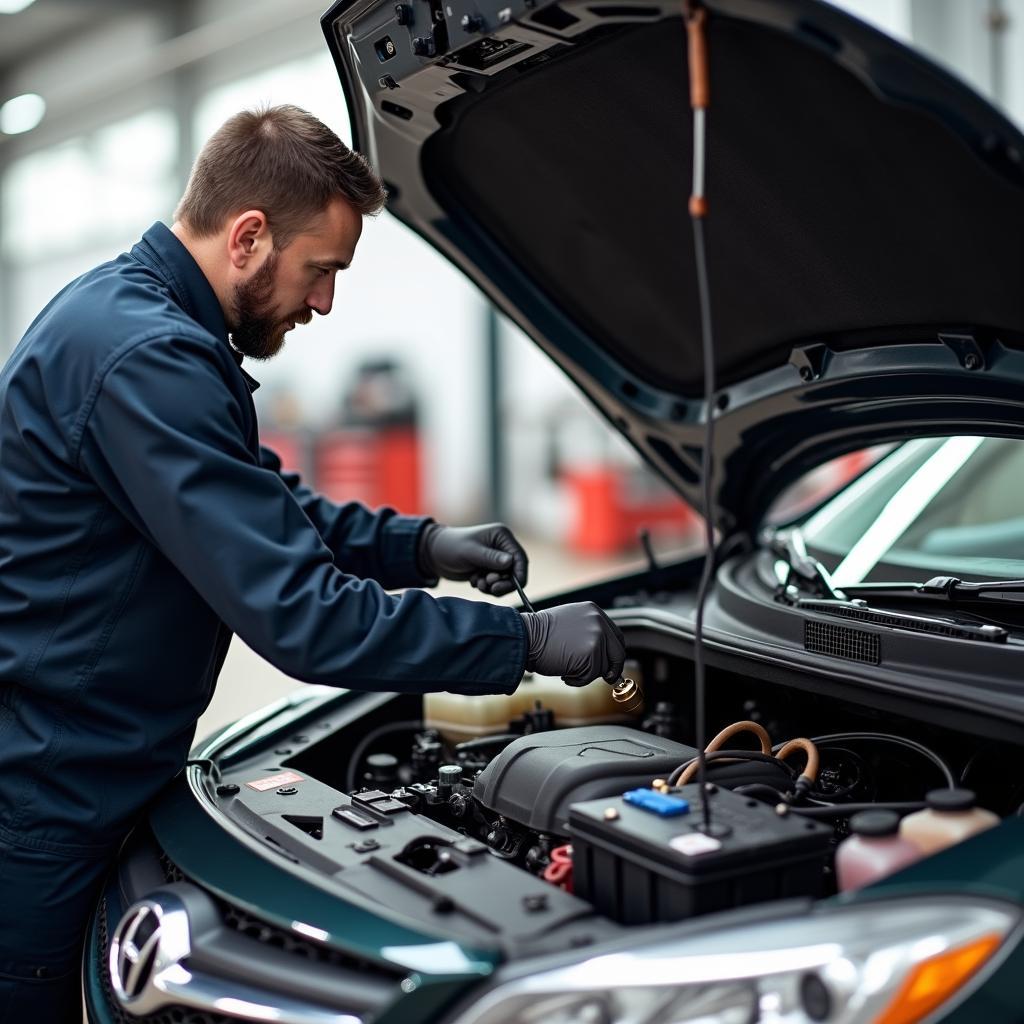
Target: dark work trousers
(45, 903)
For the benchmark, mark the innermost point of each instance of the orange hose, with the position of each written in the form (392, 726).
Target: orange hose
(801, 744)
(727, 734)
(811, 769)
(737, 727)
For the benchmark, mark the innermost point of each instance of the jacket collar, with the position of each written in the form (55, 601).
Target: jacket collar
(162, 251)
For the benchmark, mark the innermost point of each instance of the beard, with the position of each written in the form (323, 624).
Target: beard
(257, 332)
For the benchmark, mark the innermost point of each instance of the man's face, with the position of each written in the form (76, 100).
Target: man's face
(293, 283)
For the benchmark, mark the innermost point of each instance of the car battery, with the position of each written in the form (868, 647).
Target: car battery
(644, 857)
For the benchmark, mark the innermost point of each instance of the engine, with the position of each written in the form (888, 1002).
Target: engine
(613, 812)
(535, 779)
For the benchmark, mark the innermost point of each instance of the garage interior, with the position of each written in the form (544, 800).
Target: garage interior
(417, 394)
(103, 106)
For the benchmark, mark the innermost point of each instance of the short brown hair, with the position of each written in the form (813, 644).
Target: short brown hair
(281, 160)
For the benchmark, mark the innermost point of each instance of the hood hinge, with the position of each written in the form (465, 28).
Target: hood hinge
(811, 361)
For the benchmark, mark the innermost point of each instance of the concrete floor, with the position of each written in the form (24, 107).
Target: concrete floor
(248, 682)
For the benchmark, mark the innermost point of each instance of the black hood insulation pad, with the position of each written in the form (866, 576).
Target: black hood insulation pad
(833, 213)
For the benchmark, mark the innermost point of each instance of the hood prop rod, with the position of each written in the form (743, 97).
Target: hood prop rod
(700, 98)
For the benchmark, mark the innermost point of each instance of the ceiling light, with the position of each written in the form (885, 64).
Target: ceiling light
(22, 113)
(13, 6)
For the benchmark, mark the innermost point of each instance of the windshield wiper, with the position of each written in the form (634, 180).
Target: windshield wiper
(808, 586)
(859, 610)
(945, 588)
(805, 574)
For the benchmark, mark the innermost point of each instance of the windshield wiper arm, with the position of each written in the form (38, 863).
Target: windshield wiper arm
(859, 610)
(947, 588)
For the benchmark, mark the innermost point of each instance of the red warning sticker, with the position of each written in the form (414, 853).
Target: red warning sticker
(274, 781)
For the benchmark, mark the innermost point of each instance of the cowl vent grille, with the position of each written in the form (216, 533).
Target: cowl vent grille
(842, 642)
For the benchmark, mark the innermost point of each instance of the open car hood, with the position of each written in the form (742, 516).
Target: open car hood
(865, 227)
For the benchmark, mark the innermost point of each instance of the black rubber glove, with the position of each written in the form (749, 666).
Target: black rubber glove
(575, 641)
(485, 555)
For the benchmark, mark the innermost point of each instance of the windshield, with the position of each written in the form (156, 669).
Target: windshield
(951, 506)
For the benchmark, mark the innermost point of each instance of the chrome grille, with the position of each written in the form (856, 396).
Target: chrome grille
(171, 1015)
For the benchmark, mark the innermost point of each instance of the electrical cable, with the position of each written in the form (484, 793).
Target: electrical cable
(368, 740)
(681, 775)
(968, 766)
(844, 810)
(884, 737)
(699, 99)
(753, 788)
(686, 771)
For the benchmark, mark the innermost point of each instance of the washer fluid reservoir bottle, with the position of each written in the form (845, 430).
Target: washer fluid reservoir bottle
(459, 717)
(875, 849)
(950, 817)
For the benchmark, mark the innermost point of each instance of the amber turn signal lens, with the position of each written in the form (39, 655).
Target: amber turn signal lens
(934, 980)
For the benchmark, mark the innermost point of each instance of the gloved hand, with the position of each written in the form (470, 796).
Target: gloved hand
(575, 641)
(485, 555)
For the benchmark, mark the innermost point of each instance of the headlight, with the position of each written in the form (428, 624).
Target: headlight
(886, 963)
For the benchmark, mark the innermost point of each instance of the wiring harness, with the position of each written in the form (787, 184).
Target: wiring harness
(802, 788)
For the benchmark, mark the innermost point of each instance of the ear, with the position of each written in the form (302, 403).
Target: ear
(249, 238)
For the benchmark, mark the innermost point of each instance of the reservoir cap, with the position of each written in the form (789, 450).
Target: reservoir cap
(951, 799)
(875, 823)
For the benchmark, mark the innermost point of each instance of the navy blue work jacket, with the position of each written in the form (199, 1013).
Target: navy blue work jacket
(141, 524)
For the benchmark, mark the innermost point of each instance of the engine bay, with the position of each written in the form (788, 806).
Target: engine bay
(552, 817)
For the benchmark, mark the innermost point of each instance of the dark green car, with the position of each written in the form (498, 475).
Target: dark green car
(544, 857)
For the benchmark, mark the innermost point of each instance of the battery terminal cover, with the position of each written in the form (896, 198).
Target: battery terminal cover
(657, 803)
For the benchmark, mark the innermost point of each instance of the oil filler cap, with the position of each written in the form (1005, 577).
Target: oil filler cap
(657, 803)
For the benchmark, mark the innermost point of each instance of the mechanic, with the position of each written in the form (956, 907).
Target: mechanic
(141, 525)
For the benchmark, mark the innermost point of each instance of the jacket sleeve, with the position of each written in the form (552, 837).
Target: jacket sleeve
(164, 438)
(379, 545)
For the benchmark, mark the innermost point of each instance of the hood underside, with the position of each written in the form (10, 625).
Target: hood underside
(865, 228)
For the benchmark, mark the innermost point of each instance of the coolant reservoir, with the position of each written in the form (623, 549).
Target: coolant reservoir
(950, 817)
(874, 850)
(459, 717)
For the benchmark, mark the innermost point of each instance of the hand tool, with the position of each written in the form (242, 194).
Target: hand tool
(521, 593)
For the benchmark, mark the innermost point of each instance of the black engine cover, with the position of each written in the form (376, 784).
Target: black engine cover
(535, 778)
